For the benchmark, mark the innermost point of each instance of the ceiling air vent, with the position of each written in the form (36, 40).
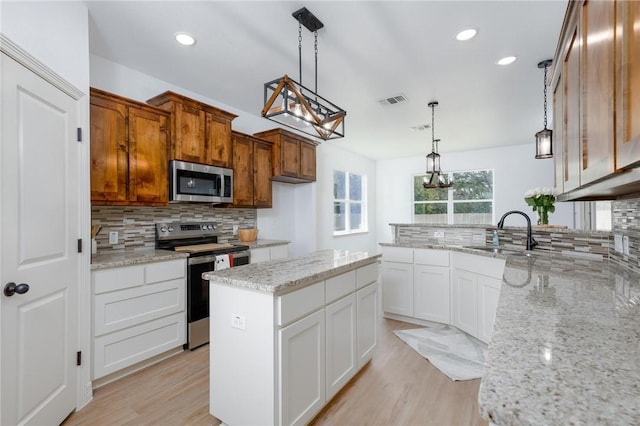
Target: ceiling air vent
(393, 100)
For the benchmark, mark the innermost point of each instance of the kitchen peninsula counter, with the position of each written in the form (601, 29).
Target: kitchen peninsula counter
(565, 347)
(289, 274)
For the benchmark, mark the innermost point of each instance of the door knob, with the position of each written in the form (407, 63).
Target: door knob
(11, 288)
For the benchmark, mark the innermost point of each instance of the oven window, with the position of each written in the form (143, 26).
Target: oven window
(196, 183)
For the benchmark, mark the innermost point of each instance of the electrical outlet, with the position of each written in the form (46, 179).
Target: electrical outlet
(438, 234)
(238, 321)
(113, 237)
(625, 245)
(235, 229)
(617, 243)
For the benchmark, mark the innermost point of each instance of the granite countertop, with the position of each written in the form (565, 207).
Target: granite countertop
(565, 347)
(260, 243)
(281, 276)
(117, 258)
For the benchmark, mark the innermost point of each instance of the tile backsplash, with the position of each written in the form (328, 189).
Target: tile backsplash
(626, 222)
(136, 225)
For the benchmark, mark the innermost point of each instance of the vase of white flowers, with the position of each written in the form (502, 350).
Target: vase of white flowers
(541, 199)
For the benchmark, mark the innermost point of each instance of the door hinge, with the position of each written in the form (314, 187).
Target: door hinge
(79, 245)
(79, 358)
(79, 134)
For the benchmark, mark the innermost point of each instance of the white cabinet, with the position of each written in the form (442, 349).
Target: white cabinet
(475, 293)
(293, 352)
(138, 313)
(341, 360)
(465, 301)
(366, 321)
(431, 285)
(262, 254)
(302, 369)
(488, 295)
(397, 281)
(416, 283)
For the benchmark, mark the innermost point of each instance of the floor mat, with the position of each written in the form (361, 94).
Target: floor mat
(455, 353)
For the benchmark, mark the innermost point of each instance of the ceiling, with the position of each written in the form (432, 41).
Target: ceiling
(367, 51)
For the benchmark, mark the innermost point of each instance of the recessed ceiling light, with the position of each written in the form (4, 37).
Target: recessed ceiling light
(185, 39)
(506, 60)
(466, 34)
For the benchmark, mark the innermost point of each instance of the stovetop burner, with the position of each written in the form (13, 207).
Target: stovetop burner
(193, 237)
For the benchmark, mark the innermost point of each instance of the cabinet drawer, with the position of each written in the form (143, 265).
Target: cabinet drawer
(397, 254)
(164, 271)
(120, 309)
(491, 267)
(366, 275)
(118, 278)
(339, 286)
(296, 304)
(124, 348)
(431, 257)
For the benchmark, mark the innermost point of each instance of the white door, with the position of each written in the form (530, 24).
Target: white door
(431, 293)
(366, 322)
(39, 229)
(465, 301)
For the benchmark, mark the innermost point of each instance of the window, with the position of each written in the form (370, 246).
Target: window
(349, 203)
(468, 201)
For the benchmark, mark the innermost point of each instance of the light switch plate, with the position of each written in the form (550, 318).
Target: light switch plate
(617, 243)
(113, 237)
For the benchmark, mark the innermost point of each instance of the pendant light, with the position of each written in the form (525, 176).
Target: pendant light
(289, 103)
(434, 177)
(544, 138)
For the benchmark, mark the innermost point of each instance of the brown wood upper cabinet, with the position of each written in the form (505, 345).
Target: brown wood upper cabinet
(596, 91)
(252, 166)
(202, 133)
(294, 156)
(129, 143)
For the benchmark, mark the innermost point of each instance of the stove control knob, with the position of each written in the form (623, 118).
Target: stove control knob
(163, 229)
(209, 227)
(214, 227)
(171, 229)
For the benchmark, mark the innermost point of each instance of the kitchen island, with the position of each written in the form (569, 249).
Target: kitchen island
(286, 335)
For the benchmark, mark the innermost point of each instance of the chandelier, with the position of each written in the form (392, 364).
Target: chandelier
(544, 138)
(289, 103)
(434, 177)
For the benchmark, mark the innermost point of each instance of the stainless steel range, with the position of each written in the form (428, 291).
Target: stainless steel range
(200, 240)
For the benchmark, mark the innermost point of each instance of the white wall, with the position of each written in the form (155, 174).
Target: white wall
(55, 33)
(515, 171)
(329, 158)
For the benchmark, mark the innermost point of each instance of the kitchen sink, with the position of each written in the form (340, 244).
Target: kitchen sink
(501, 250)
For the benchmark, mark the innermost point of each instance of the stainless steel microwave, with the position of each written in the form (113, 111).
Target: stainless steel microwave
(199, 183)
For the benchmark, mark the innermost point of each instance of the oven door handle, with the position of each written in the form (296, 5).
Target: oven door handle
(198, 260)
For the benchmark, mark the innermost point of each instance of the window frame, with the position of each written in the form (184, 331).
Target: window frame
(450, 202)
(347, 201)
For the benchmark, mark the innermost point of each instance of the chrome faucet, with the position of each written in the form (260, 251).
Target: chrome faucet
(531, 243)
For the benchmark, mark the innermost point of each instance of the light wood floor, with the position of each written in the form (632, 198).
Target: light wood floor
(398, 387)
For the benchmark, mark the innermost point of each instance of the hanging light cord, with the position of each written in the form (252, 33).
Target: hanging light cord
(433, 135)
(545, 97)
(316, 53)
(300, 50)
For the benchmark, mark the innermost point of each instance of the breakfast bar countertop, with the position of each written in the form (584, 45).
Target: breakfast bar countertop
(288, 274)
(565, 347)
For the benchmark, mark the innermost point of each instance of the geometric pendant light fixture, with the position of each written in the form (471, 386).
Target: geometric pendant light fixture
(291, 104)
(434, 177)
(544, 138)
